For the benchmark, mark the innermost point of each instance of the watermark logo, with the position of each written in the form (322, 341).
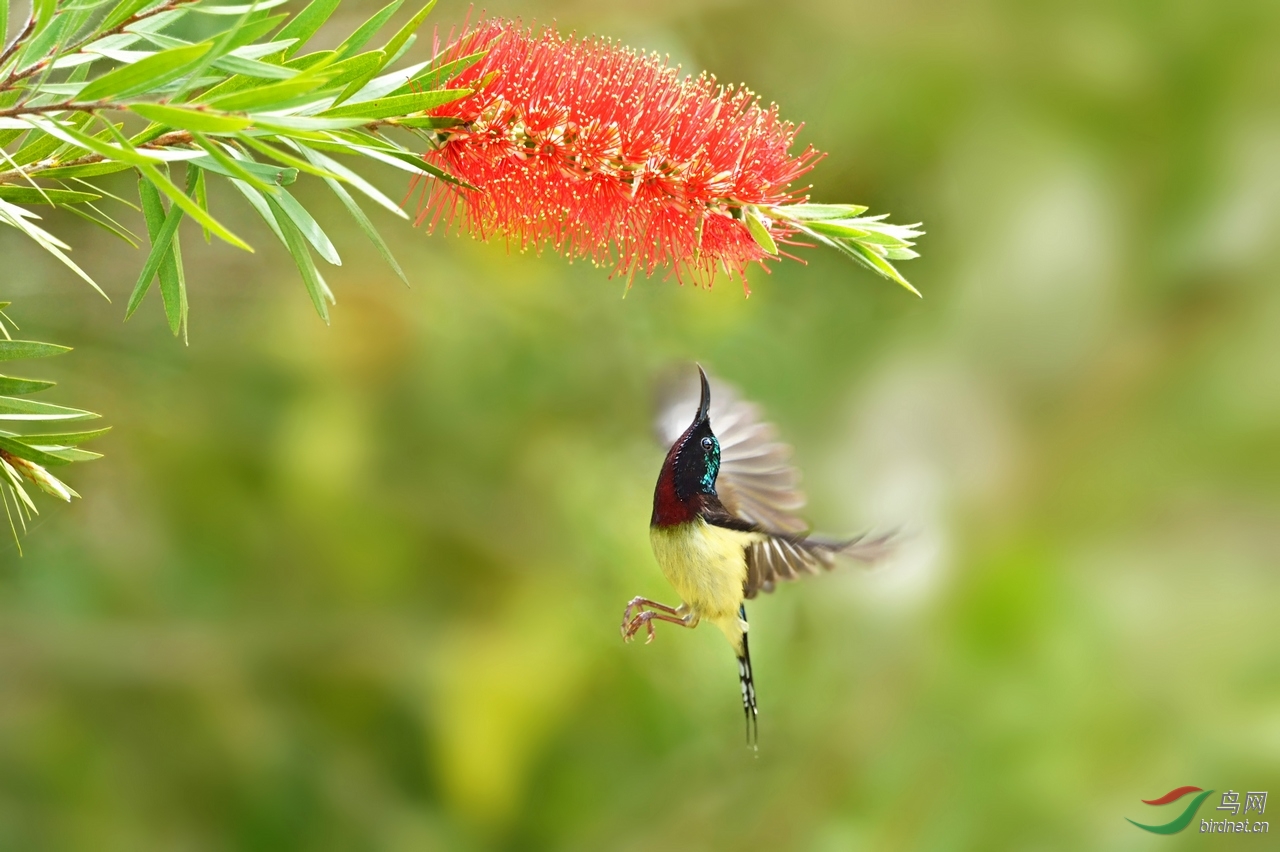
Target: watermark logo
(1255, 801)
(1182, 820)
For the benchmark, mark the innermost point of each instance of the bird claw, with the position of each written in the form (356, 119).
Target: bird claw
(631, 627)
(646, 612)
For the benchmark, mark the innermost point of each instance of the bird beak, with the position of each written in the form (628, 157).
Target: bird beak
(704, 405)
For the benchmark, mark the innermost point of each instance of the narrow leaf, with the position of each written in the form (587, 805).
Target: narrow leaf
(355, 180)
(369, 29)
(257, 173)
(397, 105)
(121, 13)
(759, 232)
(14, 408)
(305, 24)
(189, 118)
(31, 195)
(84, 170)
(191, 208)
(311, 279)
(63, 439)
(818, 211)
(307, 226)
(400, 38)
(146, 74)
(154, 214)
(210, 9)
(368, 227)
(259, 203)
(13, 386)
(267, 96)
(103, 221)
(17, 448)
(253, 68)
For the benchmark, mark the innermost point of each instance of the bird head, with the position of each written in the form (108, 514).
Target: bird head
(695, 457)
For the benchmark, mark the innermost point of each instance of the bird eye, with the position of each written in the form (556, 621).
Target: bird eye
(708, 443)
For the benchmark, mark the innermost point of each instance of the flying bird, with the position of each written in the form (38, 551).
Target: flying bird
(724, 526)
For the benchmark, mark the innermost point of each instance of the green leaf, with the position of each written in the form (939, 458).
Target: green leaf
(63, 439)
(759, 232)
(353, 88)
(211, 9)
(121, 13)
(306, 23)
(42, 11)
(258, 202)
(354, 67)
(369, 28)
(163, 260)
(173, 283)
(191, 208)
(434, 78)
(248, 170)
(311, 279)
(806, 212)
(287, 159)
(250, 31)
(192, 118)
(31, 195)
(24, 451)
(427, 122)
(254, 69)
(154, 214)
(103, 221)
(400, 38)
(201, 195)
(880, 265)
(13, 408)
(84, 170)
(69, 455)
(18, 217)
(835, 228)
(365, 225)
(13, 386)
(129, 154)
(4, 21)
(403, 160)
(18, 350)
(267, 96)
(354, 179)
(39, 145)
(146, 74)
(39, 47)
(307, 226)
(396, 105)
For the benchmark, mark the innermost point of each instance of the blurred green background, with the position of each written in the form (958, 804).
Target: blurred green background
(358, 587)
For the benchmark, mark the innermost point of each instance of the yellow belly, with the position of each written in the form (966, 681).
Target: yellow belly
(705, 564)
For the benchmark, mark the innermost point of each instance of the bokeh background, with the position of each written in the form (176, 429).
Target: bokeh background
(358, 587)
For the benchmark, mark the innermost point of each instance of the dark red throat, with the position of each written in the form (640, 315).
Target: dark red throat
(668, 508)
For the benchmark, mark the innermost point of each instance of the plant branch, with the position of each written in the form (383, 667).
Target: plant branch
(17, 76)
(18, 40)
(167, 140)
(63, 106)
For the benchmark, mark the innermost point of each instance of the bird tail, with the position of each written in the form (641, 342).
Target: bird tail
(745, 678)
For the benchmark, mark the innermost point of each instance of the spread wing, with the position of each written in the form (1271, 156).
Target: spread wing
(786, 558)
(757, 486)
(757, 482)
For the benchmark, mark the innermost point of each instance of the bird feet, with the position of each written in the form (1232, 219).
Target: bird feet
(646, 612)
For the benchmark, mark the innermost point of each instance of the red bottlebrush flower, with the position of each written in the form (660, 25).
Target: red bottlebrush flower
(601, 152)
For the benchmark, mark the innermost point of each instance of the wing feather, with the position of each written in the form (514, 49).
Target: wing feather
(757, 482)
(758, 487)
(777, 558)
